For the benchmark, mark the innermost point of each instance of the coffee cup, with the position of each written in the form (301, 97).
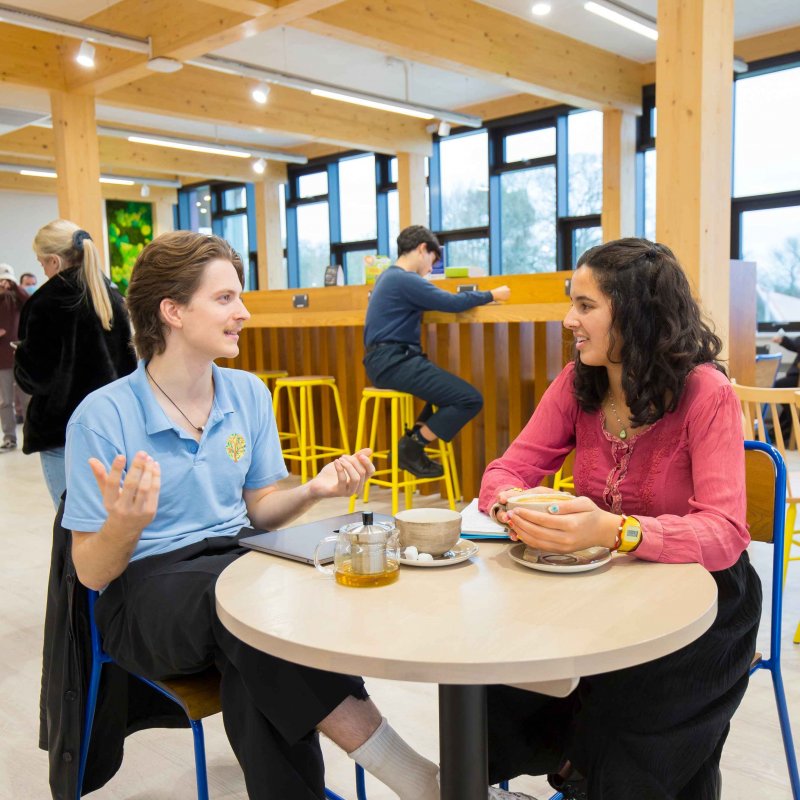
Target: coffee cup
(537, 501)
(430, 530)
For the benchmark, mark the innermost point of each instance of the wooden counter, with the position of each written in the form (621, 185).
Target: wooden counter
(511, 351)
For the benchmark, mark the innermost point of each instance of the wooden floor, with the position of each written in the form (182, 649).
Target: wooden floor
(158, 764)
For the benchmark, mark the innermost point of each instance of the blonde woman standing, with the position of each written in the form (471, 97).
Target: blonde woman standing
(75, 337)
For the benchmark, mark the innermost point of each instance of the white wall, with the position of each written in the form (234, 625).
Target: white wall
(21, 216)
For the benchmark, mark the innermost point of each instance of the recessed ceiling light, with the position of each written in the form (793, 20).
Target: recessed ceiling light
(541, 9)
(85, 55)
(260, 93)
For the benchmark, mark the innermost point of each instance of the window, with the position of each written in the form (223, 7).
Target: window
(468, 253)
(771, 238)
(649, 195)
(354, 265)
(314, 245)
(313, 184)
(528, 220)
(464, 170)
(767, 121)
(393, 200)
(357, 199)
(530, 144)
(585, 163)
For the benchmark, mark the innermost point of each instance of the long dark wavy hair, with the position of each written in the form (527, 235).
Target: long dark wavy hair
(660, 326)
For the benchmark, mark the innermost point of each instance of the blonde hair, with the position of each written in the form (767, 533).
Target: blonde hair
(74, 246)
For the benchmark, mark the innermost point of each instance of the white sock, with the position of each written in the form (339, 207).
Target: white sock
(386, 756)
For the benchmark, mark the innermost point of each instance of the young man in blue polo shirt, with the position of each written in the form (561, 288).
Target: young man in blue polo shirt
(164, 469)
(394, 358)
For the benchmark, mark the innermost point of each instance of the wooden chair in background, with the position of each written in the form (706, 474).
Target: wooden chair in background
(759, 407)
(767, 366)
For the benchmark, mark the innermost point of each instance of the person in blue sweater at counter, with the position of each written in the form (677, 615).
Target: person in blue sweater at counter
(394, 358)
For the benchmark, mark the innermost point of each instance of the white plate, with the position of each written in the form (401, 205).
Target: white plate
(591, 558)
(460, 551)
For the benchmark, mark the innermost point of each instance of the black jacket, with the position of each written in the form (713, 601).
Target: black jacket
(64, 354)
(125, 704)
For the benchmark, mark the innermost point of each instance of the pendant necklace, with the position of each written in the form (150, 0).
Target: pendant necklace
(198, 428)
(623, 434)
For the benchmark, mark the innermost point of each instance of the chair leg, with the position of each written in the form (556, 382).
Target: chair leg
(797, 634)
(791, 519)
(394, 426)
(362, 424)
(361, 786)
(786, 730)
(200, 759)
(88, 720)
(331, 795)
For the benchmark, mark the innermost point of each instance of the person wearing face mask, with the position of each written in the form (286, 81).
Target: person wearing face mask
(75, 337)
(12, 299)
(394, 358)
(28, 282)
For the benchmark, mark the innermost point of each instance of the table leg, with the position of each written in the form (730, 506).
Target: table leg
(463, 747)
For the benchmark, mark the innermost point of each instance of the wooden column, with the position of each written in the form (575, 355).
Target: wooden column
(271, 274)
(77, 161)
(411, 189)
(619, 174)
(694, 76)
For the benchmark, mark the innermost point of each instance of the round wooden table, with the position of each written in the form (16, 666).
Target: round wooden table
(485, 621)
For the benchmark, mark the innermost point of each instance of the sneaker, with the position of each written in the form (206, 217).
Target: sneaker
(8, 446)
(502, 794)
(411, 457)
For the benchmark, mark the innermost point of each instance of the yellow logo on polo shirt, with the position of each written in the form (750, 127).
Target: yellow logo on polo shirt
(236, 446)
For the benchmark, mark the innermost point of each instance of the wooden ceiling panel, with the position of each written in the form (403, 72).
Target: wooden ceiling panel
(473, 39)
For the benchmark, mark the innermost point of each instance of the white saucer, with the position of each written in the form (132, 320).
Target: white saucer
(460, 551)
(591, 558)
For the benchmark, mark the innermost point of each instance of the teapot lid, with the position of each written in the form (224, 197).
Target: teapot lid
(367, 530)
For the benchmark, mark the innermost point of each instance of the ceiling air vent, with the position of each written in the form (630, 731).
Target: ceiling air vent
(12, 118)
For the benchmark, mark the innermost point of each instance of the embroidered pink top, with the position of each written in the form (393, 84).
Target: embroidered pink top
(682, 478)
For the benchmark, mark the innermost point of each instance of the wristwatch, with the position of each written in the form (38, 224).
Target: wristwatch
(630, 535)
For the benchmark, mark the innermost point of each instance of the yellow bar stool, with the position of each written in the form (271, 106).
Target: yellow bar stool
(401, 413)
(269, 376)
(299, 392)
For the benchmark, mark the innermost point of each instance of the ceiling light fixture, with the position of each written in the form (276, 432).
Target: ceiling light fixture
(85, 55)
(117, 181)
(38, 173)
(260, 166)
(622, 15)
(145, 192)
(421, 111)
(245, 151)
(260, 93)
(120, 180)
(740, 65)
(369, 103)
(443, 129)
(195, 147)
(541, 9)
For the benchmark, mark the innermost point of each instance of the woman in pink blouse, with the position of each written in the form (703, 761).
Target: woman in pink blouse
(659, 471)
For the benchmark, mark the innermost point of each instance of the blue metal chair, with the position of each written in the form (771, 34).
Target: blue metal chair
(204, 685)
(766, 512)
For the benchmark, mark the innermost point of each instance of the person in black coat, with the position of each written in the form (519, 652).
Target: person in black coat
(75, 337)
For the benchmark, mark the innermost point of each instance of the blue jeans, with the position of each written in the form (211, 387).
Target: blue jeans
(55, 475)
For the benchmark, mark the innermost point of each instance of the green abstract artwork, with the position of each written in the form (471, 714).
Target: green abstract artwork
(130, 228)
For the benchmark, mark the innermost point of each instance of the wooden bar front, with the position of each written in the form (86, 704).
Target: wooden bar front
(510, 351)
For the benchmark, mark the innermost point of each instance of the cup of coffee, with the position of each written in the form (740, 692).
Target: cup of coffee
(537, 501)
(430, 530)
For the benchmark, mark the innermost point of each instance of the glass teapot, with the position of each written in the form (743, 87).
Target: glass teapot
(367, 553)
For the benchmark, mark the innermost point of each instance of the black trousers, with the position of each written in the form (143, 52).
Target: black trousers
(789, 381)
(406, 368)
(158, 619)
(650, 732)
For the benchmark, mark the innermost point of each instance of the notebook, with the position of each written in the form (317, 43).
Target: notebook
(476, 525)
(300, 541)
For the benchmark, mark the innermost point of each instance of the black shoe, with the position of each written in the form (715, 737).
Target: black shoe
(411, 457)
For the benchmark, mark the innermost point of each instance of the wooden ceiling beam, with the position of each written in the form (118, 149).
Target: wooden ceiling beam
(11, 182)
(31, 58)
(473, 39)
(179, 29)
(225, 99)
